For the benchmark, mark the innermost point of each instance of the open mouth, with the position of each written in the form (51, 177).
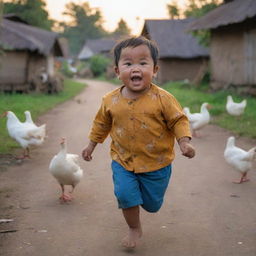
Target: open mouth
(136, 78)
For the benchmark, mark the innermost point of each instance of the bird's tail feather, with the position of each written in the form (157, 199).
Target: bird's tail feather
(38, 132)
(251, 154)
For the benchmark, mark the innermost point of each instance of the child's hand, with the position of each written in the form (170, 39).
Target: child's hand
(87, 152)
(186, 148)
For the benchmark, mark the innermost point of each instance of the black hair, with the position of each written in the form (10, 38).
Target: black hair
(134, 42)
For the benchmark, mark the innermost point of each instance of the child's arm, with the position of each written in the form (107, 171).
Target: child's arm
(87, 152)
(186, 148)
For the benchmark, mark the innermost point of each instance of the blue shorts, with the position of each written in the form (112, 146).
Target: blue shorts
(145, 189)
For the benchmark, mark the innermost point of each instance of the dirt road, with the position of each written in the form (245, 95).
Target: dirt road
(204, 212)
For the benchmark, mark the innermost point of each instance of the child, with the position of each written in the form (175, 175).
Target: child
(143, 120)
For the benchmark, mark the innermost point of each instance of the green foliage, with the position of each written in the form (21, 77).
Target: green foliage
(65, 70)
(195, 8)
(1, 17)
(192, 97)
(198, 9)
(32, 11)
(98, 64)
(37, 104)
(122, 29)
(173, 10)
(86, 23)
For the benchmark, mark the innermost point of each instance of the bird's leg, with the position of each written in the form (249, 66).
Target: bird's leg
(239, 182)
(25, 154)
(243, 179)
(64, 197)
(73, 187)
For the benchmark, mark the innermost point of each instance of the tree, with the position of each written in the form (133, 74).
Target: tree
(122, 29)
(32, 11)
(173, 10)
(198, 8)
(1, 16)
(85, 23)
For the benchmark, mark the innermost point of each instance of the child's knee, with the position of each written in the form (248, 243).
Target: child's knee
(153, 207)
(125, 200)
(122, 197)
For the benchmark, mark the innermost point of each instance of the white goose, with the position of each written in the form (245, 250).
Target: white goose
(66, 170)
(26, 134)
(238, 158)
(234, 108)
(40, 131)
(198, 120)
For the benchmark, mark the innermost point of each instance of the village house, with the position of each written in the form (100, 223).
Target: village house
(96, 46)
(27, 57)
(181, 56)
(232, 45)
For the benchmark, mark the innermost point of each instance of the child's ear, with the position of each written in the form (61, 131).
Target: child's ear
(156, 68)
(117, 72)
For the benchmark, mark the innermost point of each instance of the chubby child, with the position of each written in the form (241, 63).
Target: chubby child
(143, 121)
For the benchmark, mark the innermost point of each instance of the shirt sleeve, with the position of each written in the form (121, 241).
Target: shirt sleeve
(177, 121)
(101, 125)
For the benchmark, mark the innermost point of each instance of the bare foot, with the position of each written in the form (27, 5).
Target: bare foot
(131, 240)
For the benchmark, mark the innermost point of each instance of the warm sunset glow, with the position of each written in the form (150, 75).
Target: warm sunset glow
(133, 11)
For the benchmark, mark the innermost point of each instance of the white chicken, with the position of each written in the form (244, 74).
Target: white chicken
(238, 158)
(198, 120)
(41, 130)
(66, 170)
(27, 134)
(234, 108)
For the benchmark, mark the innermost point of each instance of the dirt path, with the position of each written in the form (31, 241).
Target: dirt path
(204, 212)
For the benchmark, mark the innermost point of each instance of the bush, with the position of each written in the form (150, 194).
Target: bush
(65, 70)
(98, 64)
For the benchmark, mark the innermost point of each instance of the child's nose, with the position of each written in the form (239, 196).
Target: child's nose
(135, 68)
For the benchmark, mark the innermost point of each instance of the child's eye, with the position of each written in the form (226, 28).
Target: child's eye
(127, 64)
(143, 63)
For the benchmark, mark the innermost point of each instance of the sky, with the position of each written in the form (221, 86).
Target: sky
(132, 11)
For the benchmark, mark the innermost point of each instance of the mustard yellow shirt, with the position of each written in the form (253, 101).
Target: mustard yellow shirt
(142, 130)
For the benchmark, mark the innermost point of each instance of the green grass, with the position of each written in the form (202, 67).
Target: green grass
(191, 97)
(36, 103)
(114, 81)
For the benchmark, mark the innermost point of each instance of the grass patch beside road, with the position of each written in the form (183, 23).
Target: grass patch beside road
(192, 97)
(36, 103)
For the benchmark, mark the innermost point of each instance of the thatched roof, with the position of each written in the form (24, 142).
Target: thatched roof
(233, 12)
(14, 17)
(96, 46)
(173, 40)
(20, 36)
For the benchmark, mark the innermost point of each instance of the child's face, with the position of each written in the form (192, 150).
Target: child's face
(136, 68)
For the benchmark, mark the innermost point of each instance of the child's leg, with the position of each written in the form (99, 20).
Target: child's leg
(132, 217)
(153, 186)
(127, 192)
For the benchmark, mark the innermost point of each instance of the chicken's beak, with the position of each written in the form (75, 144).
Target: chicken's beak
(209, 106)
(62, 141)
